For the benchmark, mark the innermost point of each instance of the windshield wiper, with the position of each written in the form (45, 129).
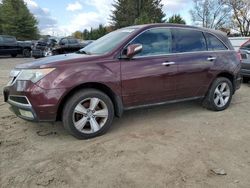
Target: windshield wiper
(83, 52)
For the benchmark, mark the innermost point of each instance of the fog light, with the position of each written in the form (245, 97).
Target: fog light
(26, 113)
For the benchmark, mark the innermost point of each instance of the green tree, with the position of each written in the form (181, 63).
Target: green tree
(93, 34)
(17, 20)
(77, 34)
(176, 18)
(130, 12)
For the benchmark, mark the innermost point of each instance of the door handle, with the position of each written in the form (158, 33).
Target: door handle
(168, 63)
(211, 58)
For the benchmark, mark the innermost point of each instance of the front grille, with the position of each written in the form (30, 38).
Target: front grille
(19, 99)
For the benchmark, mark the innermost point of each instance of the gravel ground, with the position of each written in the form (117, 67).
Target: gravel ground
(177, 145)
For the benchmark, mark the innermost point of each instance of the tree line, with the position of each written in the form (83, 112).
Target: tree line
(16, 19)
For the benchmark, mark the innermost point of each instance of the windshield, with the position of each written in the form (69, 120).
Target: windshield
(108, 42)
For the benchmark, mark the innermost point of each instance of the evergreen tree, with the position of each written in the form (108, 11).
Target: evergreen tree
(16, 20)
(176, 18)
(130, 12)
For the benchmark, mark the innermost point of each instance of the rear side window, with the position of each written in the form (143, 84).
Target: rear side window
(154, 42)
(9, 39)
(214, 43)
(64, 41)
(188, 41)
(72, 41)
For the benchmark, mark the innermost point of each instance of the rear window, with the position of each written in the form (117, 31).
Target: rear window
(214, 43)
(188, 41)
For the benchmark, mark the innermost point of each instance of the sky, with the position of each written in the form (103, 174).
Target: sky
(63, 17)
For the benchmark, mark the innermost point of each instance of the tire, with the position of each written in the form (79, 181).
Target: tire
(211, 100)
(26, 52)
(246, 80)
(13, 55)
(80, 118)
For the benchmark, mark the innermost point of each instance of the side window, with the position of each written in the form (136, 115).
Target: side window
(1, 40)
(9, 39)
(72, 41)
(187, 40)
(65, 41)
(213, 43)
(154, 42)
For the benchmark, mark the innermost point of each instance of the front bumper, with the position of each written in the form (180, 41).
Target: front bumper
(31, 102)
(38, 53)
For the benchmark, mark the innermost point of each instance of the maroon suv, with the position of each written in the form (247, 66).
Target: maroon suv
(133, 67)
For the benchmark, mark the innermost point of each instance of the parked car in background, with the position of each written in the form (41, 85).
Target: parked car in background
(245, 67)
(43, 47)
(133, 67)
(237, 42)
(10, 46)
(86, 42)
(55, 46)
(67, 45)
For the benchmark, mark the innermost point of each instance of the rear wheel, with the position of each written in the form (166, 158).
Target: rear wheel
(88, 113)
(26, 52)
(219, 95)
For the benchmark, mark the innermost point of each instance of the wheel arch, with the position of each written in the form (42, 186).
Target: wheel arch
(228, 75)
(116, 100)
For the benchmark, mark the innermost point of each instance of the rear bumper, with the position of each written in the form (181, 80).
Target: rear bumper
(245, 72)
(37, 53)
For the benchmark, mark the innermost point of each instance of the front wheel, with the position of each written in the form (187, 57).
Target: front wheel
(219, 95)
(88, 113)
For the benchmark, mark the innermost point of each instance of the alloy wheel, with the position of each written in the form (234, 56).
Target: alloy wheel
(90, 115)
(222, 94)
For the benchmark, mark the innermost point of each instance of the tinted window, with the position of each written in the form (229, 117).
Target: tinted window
(72, 41)
(9, 39)
(213, 43)
(189, 41)
(154, 42)
(65, 41)
(1, 40)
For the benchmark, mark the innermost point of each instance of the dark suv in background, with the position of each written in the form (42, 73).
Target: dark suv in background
(10, 46)
(245, 54)
(54, 46)
(132, 67)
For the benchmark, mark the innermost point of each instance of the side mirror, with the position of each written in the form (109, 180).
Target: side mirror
(133, 49)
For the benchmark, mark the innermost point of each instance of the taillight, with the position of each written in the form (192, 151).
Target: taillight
(239, 56)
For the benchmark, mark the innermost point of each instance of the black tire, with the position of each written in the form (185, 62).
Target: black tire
(246, 80)
(73, 101)
(209, 100)
(26, 52)
(13, 55)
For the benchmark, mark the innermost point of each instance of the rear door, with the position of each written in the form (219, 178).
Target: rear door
(194, 62)
(150, 76)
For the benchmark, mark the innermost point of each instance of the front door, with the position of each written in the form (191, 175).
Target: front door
(150, 76)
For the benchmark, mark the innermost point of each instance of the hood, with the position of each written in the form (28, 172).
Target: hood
(57, 60)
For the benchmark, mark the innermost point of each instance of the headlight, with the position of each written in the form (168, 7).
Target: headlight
(34, 75)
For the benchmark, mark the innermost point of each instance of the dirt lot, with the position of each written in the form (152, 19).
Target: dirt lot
(169, 146)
